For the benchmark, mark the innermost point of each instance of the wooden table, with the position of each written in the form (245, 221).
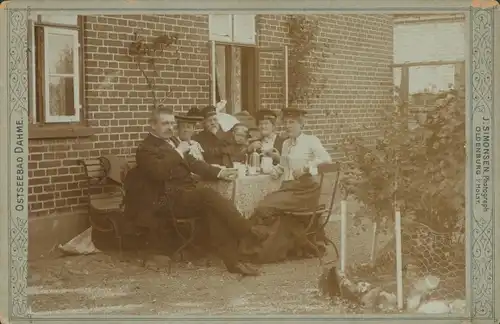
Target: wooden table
(246, 192)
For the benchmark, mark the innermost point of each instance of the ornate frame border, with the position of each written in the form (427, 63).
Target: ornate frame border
(481, 233)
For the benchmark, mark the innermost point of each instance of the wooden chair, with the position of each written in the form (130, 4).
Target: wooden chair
(105, 207)
(316, 218)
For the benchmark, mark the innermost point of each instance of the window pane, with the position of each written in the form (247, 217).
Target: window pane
(61, 96)
(221, 27)
(426, 83)
(60, 55)
(431, 79)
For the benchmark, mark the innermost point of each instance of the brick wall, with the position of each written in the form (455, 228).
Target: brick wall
(117, 99)
(357, 70)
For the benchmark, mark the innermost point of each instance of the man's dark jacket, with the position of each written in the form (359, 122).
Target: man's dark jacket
(160, 170)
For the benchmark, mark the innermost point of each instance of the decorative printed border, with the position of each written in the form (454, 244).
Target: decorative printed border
(481, 221)
(482, 236)
(17, 98)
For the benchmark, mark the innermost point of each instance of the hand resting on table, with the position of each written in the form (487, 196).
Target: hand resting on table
(228, 174)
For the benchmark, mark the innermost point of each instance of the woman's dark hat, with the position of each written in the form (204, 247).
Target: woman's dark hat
(245, 118)
(266, 114)
(293, 112)
(192, 116)
(208, 111)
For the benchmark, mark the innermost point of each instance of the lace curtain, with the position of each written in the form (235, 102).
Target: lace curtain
(234, 97)
(220, 72)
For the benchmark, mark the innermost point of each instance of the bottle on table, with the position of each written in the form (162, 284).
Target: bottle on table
(254, 163)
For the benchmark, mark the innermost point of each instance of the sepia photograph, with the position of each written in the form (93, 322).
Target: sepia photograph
(249, 163)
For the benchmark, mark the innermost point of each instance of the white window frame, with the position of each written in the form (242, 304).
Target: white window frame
(230, 38)
(32, 72)
(220, 37)
(76, 75)
(253, 29)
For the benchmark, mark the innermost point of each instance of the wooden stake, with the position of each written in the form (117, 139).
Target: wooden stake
(399, 258)
(343, 233)
(374, 242)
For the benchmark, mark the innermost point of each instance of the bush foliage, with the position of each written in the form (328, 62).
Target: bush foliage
(420, 168)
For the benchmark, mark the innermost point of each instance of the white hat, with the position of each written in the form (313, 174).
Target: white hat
(226, 121)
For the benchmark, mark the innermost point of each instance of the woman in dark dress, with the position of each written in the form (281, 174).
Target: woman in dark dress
(300, 189)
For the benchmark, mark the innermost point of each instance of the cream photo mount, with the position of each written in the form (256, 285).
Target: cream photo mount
(484, 41)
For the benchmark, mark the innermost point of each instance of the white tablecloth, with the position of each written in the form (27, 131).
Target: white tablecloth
(246, 192)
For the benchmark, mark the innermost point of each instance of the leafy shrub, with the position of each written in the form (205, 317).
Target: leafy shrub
(422, 169)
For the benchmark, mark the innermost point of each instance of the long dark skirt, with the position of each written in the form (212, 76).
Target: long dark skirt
(293, 195)
(285, 232)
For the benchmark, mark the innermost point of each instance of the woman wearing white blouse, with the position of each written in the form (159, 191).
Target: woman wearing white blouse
(301, 155)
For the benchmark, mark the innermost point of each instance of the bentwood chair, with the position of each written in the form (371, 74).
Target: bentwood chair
(105, 193)
(116, 169)
(316, 218)
(184, 226)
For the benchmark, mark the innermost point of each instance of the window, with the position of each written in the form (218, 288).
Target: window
(234, 68)
(236, 79)
(420, 83)
(237, 64)
(56, 70)
(248, 77)
(239, 29)
(233, 61)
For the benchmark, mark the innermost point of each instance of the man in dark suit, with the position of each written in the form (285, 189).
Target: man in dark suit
(167, 168)
(269, 143)
(215, 142)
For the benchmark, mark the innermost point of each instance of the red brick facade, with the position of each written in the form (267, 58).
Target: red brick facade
(117, 99)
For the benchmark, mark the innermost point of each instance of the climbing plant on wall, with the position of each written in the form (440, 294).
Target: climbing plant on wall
(146, 54)
(306, 55)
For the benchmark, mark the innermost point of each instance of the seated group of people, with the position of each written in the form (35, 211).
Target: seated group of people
(221, 148)
(164, 183)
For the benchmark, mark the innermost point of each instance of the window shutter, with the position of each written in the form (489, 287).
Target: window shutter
(220, 27)
(244, 29)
